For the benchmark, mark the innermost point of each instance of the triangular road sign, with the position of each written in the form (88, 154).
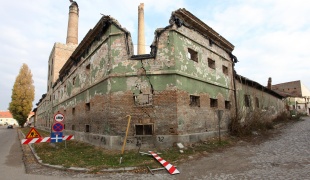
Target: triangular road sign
(33, 133)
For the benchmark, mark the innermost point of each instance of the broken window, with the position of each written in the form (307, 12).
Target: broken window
(143, 99)
(87, 128)
(144, 129)
(87, 106)
(73, 111)
(192, 55)
(211, 63)
(247, 100)
(194, 101)
(257, 102)
(225, 70)
(227, 105)
(213, 102)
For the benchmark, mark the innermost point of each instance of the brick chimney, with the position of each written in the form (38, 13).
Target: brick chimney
(141, 38)
(72, 32)
(269, 83)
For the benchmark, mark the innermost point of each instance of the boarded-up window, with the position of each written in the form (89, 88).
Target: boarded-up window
(143, 99)
(247, 100)
(192, 55)
(213, 102)
(73, 127)
(211, 63)
(144, 129)
(194, 100)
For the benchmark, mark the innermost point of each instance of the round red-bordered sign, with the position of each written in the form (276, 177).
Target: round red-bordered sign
(59, 117)
(58, 127)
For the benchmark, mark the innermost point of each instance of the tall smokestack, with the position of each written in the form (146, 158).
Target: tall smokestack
(141, 38)
(72, 33)
(269, 83)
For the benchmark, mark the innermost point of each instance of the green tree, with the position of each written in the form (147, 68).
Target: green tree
(22, 95)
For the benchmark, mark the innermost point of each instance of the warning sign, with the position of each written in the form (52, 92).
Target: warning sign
(33, 133)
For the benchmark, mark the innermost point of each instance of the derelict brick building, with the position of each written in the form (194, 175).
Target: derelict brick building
(172, 94)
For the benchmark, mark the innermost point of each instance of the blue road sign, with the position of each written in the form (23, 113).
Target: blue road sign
(58, 127)
(56, 137)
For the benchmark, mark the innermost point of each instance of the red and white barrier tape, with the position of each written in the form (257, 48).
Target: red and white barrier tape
(44, 139)
(171, 169)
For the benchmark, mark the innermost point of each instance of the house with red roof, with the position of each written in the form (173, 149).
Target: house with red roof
(6, 118)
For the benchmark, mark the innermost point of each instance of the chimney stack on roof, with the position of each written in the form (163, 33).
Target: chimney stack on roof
(72, 32)
(141, 38)
(269, 83)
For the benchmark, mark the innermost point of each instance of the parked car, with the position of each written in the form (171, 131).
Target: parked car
(10, 126)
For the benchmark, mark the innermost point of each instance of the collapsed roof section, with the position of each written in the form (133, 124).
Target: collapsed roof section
(92, 36)
(180, 17)
(256, 85)
(183, 17)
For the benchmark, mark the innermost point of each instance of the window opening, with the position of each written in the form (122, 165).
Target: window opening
(211, 63)
(73, 81)
(225, 70)
(227, 105)
(87, 106)
(257, 102)
(247, 100)
(194, 101)
(144, 129)
(213, 102)
(87, 128)
(192, 55)
(88, 67)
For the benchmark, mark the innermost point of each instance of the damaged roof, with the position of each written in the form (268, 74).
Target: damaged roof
(184, 17)
(92, 35)
(249, 82)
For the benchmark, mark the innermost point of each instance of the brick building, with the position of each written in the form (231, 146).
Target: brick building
(297, 96)
(173, 94)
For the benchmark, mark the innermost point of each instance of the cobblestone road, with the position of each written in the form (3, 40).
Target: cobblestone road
(286, 156)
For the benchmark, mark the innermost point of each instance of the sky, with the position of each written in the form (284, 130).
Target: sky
(271, 37)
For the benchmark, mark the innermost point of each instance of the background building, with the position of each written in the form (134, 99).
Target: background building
(6, 118)
(297, 96)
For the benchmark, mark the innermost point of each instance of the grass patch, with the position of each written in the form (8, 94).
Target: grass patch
(80, 154)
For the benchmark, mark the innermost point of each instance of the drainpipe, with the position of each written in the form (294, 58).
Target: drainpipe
(235, 90)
